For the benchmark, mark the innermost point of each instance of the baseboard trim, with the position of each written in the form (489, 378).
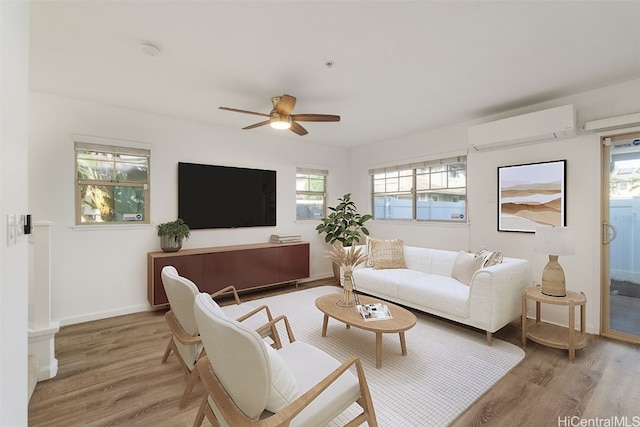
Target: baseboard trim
(89, 317)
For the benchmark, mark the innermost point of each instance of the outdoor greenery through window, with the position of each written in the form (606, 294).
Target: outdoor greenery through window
(112, 184)
(311, 190)
(434, 190)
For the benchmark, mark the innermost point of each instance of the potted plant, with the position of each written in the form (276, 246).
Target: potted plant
(172, 233)
(344, 224)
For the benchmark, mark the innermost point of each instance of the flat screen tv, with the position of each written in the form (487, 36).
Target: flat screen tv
(212, 196)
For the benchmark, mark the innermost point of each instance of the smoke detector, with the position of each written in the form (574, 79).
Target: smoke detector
(149, 49)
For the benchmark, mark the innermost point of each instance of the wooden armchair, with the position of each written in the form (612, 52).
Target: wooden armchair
(185, 341)
(249, 383)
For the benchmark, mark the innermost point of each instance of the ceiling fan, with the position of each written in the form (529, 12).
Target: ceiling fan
(280, 116)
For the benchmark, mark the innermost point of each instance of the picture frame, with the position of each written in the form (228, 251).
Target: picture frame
(532, 194)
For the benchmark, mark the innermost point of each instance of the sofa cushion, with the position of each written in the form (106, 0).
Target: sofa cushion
(442, 262)
(418, 259)
(465, 266)
(436, 292)
(387, 254)
(382, 282)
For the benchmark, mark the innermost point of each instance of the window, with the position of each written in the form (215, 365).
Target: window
(311, 193)
(112, 184)
(434, 190)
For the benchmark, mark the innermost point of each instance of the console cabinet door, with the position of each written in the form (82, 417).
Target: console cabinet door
(188, 266)
(262, 267)
(294, 262)
(222, 269)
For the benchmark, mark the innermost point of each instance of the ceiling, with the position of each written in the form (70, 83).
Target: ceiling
(399, 67)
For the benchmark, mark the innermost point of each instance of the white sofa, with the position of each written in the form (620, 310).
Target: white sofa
(491, 300)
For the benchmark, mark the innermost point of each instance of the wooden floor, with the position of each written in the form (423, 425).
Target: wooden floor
(110, 374)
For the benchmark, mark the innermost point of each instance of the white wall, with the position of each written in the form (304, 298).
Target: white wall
(101, 272)
(583, 191)
(14, 54)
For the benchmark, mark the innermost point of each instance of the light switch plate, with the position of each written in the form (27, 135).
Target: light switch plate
(20, 225)
(12, 237)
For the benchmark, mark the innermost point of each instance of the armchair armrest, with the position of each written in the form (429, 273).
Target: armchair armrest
(271, 325)
(178, 332)
(256, 311)
(226, 290)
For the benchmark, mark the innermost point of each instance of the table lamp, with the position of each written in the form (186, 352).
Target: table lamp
(554, 241)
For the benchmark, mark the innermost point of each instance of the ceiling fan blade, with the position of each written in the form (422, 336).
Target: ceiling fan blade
(315, 118)
(285, 105)
(244, 111)
(295, 127)
(255, 125)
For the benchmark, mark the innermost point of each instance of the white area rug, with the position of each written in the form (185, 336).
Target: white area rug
(446, 369)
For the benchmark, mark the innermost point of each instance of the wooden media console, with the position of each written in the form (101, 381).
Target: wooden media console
(244, 266)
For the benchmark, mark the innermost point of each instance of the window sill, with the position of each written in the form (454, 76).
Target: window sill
(422, 223)
(109, 227)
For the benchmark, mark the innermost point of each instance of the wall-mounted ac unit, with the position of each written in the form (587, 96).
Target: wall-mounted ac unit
(545, 125)
(615, 122)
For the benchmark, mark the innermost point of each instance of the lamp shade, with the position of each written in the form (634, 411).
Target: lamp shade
(554, 240)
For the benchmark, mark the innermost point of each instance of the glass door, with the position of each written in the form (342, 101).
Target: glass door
(621, 238)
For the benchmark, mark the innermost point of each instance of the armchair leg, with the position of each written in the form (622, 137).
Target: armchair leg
(489, 337)
(200, 416)
(167, 351)
(205, 409)
(187, 391)
(365, 401)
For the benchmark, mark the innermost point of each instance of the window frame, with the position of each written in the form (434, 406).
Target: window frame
(323, 194)
(412, 193)
(115, 148)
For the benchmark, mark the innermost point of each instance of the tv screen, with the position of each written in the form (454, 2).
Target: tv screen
(226, 197)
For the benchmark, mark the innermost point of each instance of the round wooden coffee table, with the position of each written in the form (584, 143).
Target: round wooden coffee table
(402, 321)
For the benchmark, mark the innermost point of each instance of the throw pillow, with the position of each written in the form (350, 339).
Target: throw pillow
(464, 266)
(387, 254)
(284, 387)
(489, 258)
(369, 262)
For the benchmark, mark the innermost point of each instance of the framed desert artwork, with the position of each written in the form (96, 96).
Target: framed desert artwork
(531, 195)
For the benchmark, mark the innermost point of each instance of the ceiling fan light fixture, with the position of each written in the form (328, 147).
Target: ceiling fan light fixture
(280, 122)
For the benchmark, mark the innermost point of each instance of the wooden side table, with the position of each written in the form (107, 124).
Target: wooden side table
(553, 335)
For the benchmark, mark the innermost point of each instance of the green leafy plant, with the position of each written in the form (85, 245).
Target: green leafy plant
(177, 229)
(344, 224)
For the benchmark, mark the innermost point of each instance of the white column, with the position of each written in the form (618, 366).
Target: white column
(42, 329)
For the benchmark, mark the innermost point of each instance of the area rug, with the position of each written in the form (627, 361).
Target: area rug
(446, 369)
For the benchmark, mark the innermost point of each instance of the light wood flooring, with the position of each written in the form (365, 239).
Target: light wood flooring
(110, 374)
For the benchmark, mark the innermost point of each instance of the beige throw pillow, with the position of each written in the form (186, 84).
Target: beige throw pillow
(489, 258)
(465, 266)
(387, 254)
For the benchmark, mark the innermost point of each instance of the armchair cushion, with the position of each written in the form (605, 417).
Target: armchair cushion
(331, 402)
(284, 388)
